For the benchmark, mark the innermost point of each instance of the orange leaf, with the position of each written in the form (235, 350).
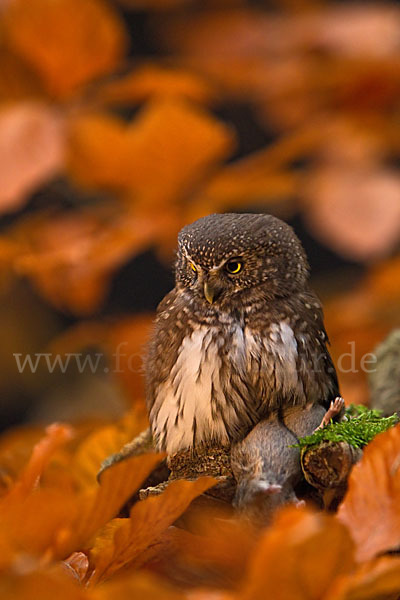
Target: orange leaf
(153, 4)
(298, 557)
(127, 344)
(140, 586)
(167, 148)
(71, 258)
(153, 80)
(56, 435)
(372, 580)
(83, 39)
(148, 519)
(18, 81)
(57, 524)
(46, 586)
(371, 507)
(355, 210)
(102, 443)
(116, 486)
(31, 150)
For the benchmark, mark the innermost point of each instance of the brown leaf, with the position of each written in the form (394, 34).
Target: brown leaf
(298, 557)
(31, 150)
(379, 579)
(102, 443)
(371, 507)
(117, 484)
(168, 148)
(153, 4)
(71, 258)
(52, 522)
(153, 80)
(137, 585)
(356, 211)
(45, 586)
(83, 39)
(56, 435)
(148, 519)
(126, 346)
(18, 81)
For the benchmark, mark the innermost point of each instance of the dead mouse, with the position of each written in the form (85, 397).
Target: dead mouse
(266, 463)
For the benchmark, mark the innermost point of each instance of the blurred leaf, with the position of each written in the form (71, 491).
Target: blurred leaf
(101, 444)
(48, 520)
(45, 586)
(18, 81)
(298, 557)
(154, 4)
(371, 507)
(117, 485)
(379, 579)
(148, 519)
(71, 258)
(168, 147)
(126, 345)
(383, 281)
(137, 585)
(31, 150)
(356, 211)
(56, 435)
(153, 80)
(83, 39)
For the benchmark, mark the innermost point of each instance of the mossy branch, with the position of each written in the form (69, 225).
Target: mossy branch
(358, 427)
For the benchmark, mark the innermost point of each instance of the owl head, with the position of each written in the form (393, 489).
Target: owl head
(223, 255)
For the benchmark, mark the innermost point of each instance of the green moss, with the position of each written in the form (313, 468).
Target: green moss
(359, 427)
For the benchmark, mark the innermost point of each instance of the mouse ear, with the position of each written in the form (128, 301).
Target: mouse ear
(268, 488)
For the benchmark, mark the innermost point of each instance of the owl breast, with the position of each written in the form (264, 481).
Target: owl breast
(221, 380)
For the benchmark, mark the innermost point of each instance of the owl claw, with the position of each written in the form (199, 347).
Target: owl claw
(335, 408)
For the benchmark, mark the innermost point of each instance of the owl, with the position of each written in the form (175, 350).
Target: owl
(240, 337)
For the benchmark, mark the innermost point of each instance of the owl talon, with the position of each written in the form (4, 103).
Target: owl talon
(335, 408)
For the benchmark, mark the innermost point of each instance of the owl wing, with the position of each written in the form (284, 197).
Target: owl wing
(290, 362)
(315, 365)
(164, 343)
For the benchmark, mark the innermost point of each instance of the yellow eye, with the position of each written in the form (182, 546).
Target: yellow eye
(193, 267)
(234, 266)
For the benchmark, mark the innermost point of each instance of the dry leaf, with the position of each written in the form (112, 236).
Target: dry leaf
(117, 485)
(45, 586)
(148, 519)
(379, 579)
(138, 585)
(153, 80)
(68, 42)
(168, 147)
(371, 507)
(355, 211)
(71, 258)
(102, 443)
(298, 557)
(126, 348)
(31, 150)
(56, 435)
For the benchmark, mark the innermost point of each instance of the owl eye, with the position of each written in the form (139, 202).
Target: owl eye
(192, 266)
(234, 266)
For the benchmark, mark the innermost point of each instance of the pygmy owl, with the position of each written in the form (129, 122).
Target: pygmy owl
(240, 336)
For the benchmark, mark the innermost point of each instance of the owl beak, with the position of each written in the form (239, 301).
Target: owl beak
(212, 290)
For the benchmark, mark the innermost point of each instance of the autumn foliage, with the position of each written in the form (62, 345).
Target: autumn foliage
(137, 146)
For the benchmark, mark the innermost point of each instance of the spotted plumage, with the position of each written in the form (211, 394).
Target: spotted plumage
(240, 335)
